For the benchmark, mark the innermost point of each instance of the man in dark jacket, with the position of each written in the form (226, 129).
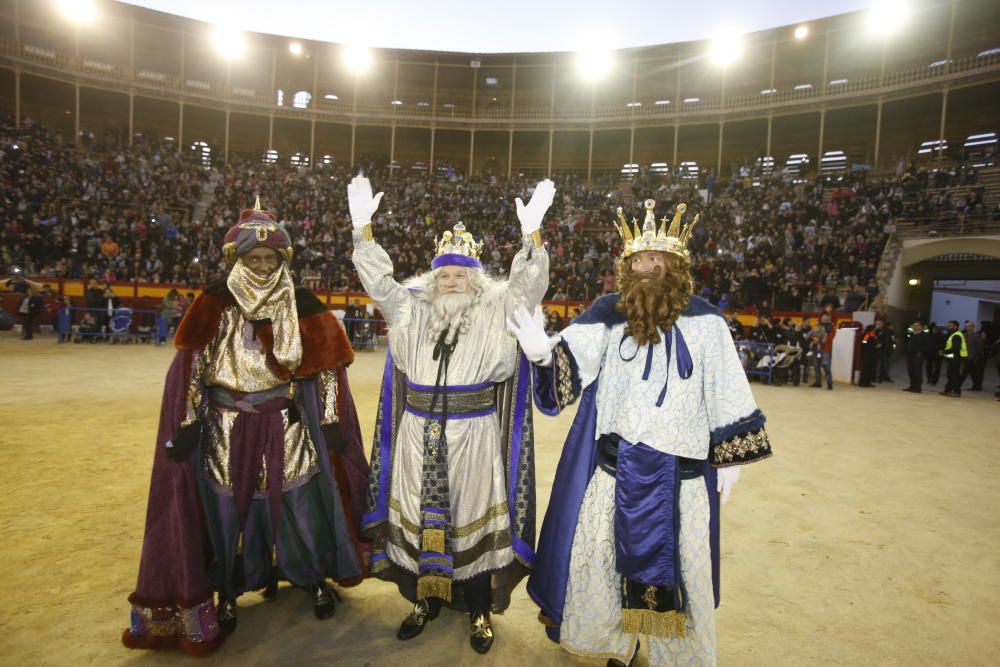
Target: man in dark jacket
(956, 353)
(918, 349)
(886, 346)
(938, 338)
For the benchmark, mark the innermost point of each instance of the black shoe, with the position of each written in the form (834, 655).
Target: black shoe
(323, 603)
(615, 662)
(225, 613)
(817, 385)
(423, 612)
(912, 390)
(481, 633)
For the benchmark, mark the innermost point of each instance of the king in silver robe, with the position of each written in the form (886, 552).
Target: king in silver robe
(451, 497)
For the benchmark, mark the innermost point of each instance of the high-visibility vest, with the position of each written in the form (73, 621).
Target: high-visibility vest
(950, 345)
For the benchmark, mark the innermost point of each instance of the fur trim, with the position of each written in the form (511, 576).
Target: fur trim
(200, 323)
(324, 344)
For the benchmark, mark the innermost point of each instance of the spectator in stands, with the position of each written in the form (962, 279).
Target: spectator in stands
(170, 308)
(352, 316)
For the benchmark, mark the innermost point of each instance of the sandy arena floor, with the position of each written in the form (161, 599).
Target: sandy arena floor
(871, 538)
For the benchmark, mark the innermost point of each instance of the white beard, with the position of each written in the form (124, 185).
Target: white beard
(450, 313)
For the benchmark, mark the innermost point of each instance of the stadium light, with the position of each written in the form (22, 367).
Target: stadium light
(229, 42)
(357, 58)
(295, 49)
(593, 64)
(726, 47)
(801, 32)
(78, 11)
(888, 16)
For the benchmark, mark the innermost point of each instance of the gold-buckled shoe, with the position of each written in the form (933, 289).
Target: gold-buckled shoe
(414, 623)
(481, 633)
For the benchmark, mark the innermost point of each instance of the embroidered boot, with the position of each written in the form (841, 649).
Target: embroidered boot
(481, 633)
(423, 612)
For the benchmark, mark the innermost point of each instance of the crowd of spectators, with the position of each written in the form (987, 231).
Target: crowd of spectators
(763, 241)
(111, 213)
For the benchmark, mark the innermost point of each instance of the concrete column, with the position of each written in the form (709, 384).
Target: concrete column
(430, 167)
(131, 116)
(354, 132)
(944, 117)
(510, 152)
(472, 147)
(180, 126)
(590, 154)
(551, 139)
(878, 136)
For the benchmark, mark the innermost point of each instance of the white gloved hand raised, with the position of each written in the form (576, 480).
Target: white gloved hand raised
(537, 344)
(532, 214)
(727, 480)
(363, 205)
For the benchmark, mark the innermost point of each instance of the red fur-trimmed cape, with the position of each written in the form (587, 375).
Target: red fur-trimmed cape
(324, 342)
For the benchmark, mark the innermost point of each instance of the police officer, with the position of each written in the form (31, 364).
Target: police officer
(955, 353)
(918, 348)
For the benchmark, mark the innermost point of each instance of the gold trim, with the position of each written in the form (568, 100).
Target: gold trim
(667, 624)
(536, 239)
(366, 232)
(461, 531)
(432, 539)
(434, 587)
(738, 448)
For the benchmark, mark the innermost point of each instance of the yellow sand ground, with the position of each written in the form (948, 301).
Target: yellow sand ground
(871, 538)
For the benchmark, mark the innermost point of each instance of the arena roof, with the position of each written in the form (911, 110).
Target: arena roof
(503, 27)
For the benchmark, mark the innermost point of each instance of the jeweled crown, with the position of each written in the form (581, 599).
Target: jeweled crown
(669, 238)
(458, 241)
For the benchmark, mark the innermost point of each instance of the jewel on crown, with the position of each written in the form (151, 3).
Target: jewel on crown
(669, 238)
(458, 241)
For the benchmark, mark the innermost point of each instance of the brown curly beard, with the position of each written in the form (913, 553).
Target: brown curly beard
(655, 303)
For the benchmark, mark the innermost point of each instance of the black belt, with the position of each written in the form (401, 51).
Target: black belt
(607, 459)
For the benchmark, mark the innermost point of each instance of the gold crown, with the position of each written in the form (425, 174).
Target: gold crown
(458, 242)
(668, 239)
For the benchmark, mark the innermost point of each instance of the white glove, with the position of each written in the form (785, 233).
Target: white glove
(537, 345)
(531, 215)
(363, 205)
(727, 480)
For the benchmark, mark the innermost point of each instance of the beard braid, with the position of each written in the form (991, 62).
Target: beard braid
(654, 305)
(450, 313)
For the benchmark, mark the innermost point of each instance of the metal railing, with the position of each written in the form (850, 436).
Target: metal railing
(947, 224)
(158, 82)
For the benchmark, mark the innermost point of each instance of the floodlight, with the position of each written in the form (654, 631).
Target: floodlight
(726, 47)
(295, 49)
(801, 32)
(357, 58)
(78, 11)
(913, 282)
(888, 16)
(229, 42)
(594, 63)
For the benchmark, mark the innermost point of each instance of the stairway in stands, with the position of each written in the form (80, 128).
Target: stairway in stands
(207, 196)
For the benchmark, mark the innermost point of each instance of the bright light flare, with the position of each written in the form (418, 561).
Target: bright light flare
(888, 16)
(78, 11)
(357, 58)
(726, 48)
(594, 64)
(295, 49)
(229, 42)
(801, 32)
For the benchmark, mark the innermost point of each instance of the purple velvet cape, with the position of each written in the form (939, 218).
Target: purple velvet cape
(517, 449)
(176, 552)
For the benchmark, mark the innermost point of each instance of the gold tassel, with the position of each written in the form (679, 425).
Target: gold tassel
(433, 540)
(665, 624)
(434, 587)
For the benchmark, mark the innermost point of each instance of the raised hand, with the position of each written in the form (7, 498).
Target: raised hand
(531, 215)
(363, 205)
(530, 333)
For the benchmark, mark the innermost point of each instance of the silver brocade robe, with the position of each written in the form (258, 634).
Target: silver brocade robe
(486, 353)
